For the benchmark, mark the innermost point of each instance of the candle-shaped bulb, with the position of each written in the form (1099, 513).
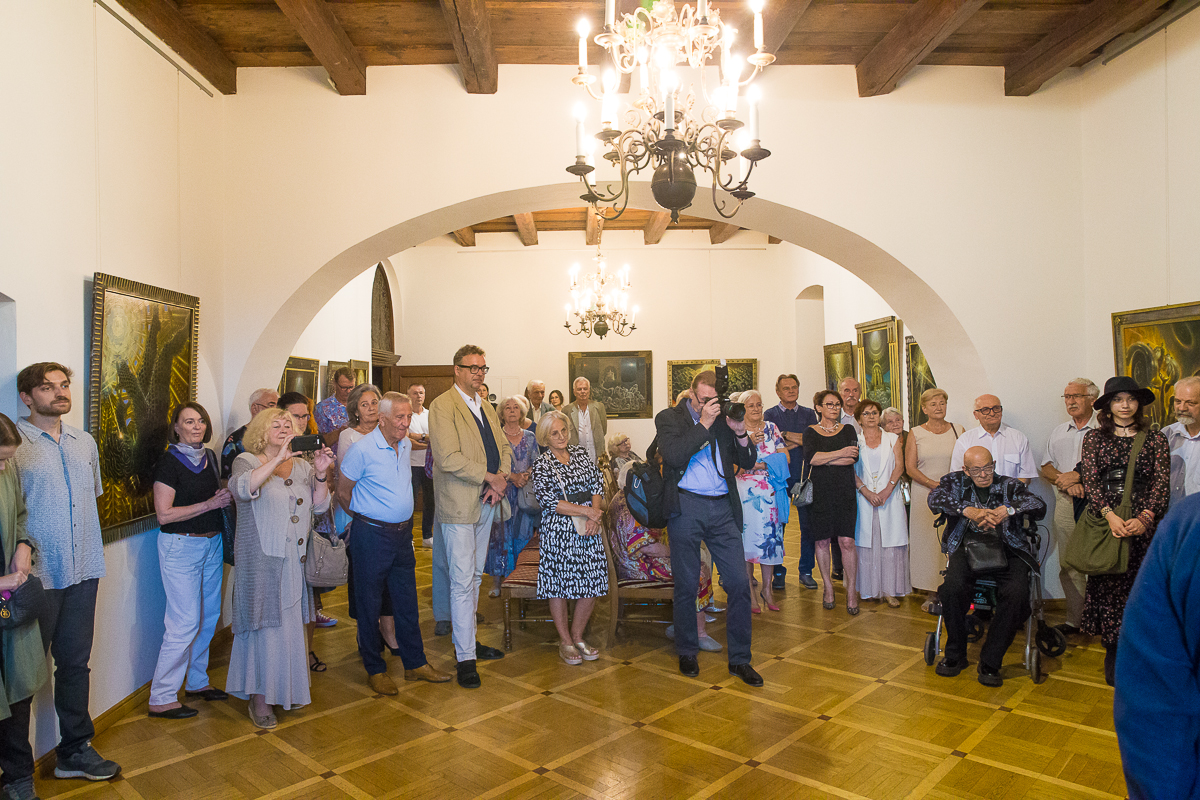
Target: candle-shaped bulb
(582, 28)
(608, 106)
(702, 8)
(610, 13)
(580, 135)
(754, 95)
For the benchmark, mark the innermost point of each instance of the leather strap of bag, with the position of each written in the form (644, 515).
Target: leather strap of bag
(1138, 441)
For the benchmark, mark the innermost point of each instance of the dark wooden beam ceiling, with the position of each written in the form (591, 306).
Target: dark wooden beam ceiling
(465, 237)
(471, 34)
(721, 231)
(779, 20)
(1074, 40)
(323, 34)
(193, 45)
(926, 25)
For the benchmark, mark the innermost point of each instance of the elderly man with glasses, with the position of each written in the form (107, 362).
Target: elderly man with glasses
(1008, 446)
(981, 504)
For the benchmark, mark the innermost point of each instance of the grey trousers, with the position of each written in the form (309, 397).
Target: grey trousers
(709, 520)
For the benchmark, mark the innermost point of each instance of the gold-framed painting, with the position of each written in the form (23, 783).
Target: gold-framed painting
(621, 380)
(300, 375)
(144, 356)
(327, 372)
(362, 371)
(839, 363)
(743, 374)
(1156, 347)
(878, 360)
(920, 379)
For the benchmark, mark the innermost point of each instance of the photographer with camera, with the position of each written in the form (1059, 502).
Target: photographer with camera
(701, 442)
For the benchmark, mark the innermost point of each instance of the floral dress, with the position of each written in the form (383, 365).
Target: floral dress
(762, 534)
(510, 536)
(1104, 601)
(572, 566)
(629, 536)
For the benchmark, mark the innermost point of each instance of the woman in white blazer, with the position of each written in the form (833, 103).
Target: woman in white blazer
(881, 533)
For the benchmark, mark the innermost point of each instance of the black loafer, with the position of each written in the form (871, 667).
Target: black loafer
(747, 673)
(1067, 629)
(689, 666)
(990, 677)
(183, 712)
(485, 653)
(468, 677)
(949, 669)
(807, 581)
(208, 695)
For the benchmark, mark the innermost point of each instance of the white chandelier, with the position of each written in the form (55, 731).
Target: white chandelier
(664, 127)
(600, 301)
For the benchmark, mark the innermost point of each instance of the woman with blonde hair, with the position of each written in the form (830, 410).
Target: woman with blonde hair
(276, 492)
(510, 536)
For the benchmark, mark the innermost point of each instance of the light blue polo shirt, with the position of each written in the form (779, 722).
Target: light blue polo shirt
(702, 475)
(382, 478)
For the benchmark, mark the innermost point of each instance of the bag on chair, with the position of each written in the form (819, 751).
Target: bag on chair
(644, 490)
(1092, 549)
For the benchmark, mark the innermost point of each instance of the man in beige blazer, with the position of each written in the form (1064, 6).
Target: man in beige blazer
(589, 436)
(471, 461)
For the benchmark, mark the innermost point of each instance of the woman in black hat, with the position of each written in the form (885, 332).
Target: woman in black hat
(1106, 452)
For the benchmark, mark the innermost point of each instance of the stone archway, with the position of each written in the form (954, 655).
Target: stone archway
(925, 313)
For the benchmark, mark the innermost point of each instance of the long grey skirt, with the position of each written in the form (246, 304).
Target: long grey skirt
(882, 571)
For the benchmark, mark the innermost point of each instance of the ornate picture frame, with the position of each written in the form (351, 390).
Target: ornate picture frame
(144, 358)
(1156, 347)
(300, 375)
(362, 371)
(920, 380)
(743, 374)
(839, 363)
(878, 360)
(622, 380)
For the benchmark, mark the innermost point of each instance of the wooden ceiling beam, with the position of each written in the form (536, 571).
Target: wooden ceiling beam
(656, 226)
(595, 224)
(325, 37)
(1088, 30)
(465, 237)
(193, 45)
(926, 25)
(526, 229)
(471, 34)
(721, 231)
(774, 240)
(779, 19)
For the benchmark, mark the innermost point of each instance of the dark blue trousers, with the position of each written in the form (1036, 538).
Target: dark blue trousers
(68, 623)
(808, 550)
(379, 559)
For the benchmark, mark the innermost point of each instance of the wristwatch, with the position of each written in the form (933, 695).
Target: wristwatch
(1011, 511)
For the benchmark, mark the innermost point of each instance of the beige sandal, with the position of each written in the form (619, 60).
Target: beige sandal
(569, 654)
(586, 651)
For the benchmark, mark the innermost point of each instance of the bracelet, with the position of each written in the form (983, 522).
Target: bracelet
(321, 480)
(1104, 512)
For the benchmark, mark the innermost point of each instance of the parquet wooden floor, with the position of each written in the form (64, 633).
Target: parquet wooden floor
(849, 710)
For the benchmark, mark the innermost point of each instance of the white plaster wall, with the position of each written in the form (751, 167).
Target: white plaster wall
(110, 162)
(342, 329)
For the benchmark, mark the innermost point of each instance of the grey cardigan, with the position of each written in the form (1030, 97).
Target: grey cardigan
(258, 577)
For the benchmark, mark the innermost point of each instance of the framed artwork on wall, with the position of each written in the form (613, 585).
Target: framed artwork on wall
(620, 380)
(920, 379)
(362, 371)
(878, 357)
(839, 363)
(1156, 347)
(300, 375)
(143, 364)
(327, 376)
(743, 374)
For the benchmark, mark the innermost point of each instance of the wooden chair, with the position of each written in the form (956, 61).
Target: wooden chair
(521, 585)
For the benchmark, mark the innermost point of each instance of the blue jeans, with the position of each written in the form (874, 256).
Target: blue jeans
(385, 558)
(68, 624)
(441, 576)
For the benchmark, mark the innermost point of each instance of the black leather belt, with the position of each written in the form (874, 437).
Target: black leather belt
(704, 496)
(394, 527)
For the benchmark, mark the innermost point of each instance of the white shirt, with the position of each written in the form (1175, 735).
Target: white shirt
(583, 423)
(848, 419)
(419, 426)
(1185, 461)
(473, 403)
(1009, 448)
(1064, 446)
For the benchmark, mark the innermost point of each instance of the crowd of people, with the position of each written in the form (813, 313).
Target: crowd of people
(870, 497)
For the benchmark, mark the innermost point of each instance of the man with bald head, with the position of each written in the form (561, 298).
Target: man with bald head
(979, 503)
(1008, 446)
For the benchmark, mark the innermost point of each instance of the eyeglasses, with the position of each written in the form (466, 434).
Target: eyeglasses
(1074, 396)
(979, 472)
(990, 411)
(474, 369)
(832, 405)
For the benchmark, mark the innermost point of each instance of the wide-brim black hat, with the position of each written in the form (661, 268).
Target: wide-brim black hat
(1122, 383)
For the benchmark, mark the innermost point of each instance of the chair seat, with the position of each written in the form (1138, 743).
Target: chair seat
(635, 583)
(523, 575)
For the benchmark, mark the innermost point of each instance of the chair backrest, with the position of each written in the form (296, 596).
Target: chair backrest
(607, 526)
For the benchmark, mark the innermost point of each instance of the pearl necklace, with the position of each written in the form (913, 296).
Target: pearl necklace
(828, 430)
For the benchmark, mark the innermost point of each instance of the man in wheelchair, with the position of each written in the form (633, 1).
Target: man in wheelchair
(984, 536)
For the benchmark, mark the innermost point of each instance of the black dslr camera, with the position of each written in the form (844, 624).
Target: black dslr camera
(734, 411)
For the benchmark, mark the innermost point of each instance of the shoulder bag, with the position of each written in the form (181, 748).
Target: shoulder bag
(23, 604)
(802, 491)
(325, 564)
(228, 515)
(576, 498)
(984, 551)
(1092, 549)
(527, 497)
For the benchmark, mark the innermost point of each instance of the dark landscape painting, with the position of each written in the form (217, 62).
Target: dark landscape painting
(1156, 347)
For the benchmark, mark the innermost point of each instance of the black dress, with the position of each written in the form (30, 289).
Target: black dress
(834, 509)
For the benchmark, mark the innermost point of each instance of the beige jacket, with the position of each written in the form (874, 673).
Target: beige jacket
(459, 460)
(599, 417)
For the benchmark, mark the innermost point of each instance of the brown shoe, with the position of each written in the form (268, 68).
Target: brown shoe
(382, 684)
(425, 672)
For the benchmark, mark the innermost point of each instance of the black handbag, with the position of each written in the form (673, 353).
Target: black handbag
(228, 516)
(802, 491)
(984, 552)
(23, 604)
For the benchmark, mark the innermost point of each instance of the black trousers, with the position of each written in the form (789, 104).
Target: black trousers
(16, 753)
(68, 624)
(424, 484)
(1012, 607)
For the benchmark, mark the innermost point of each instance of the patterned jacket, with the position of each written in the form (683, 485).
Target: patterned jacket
(956, 492)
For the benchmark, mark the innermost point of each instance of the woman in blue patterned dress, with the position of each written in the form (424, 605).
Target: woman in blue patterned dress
(510, 536)
(762, 533)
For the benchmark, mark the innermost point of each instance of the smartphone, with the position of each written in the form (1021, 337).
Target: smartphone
(306, 444)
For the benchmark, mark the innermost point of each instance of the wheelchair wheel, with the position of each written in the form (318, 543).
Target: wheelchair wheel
(1035, 666)
(1051, 641)
(974, 628)
(931, 647)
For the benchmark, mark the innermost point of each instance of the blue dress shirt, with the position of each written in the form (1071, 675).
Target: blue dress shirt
(702, 475)
(382, 478)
